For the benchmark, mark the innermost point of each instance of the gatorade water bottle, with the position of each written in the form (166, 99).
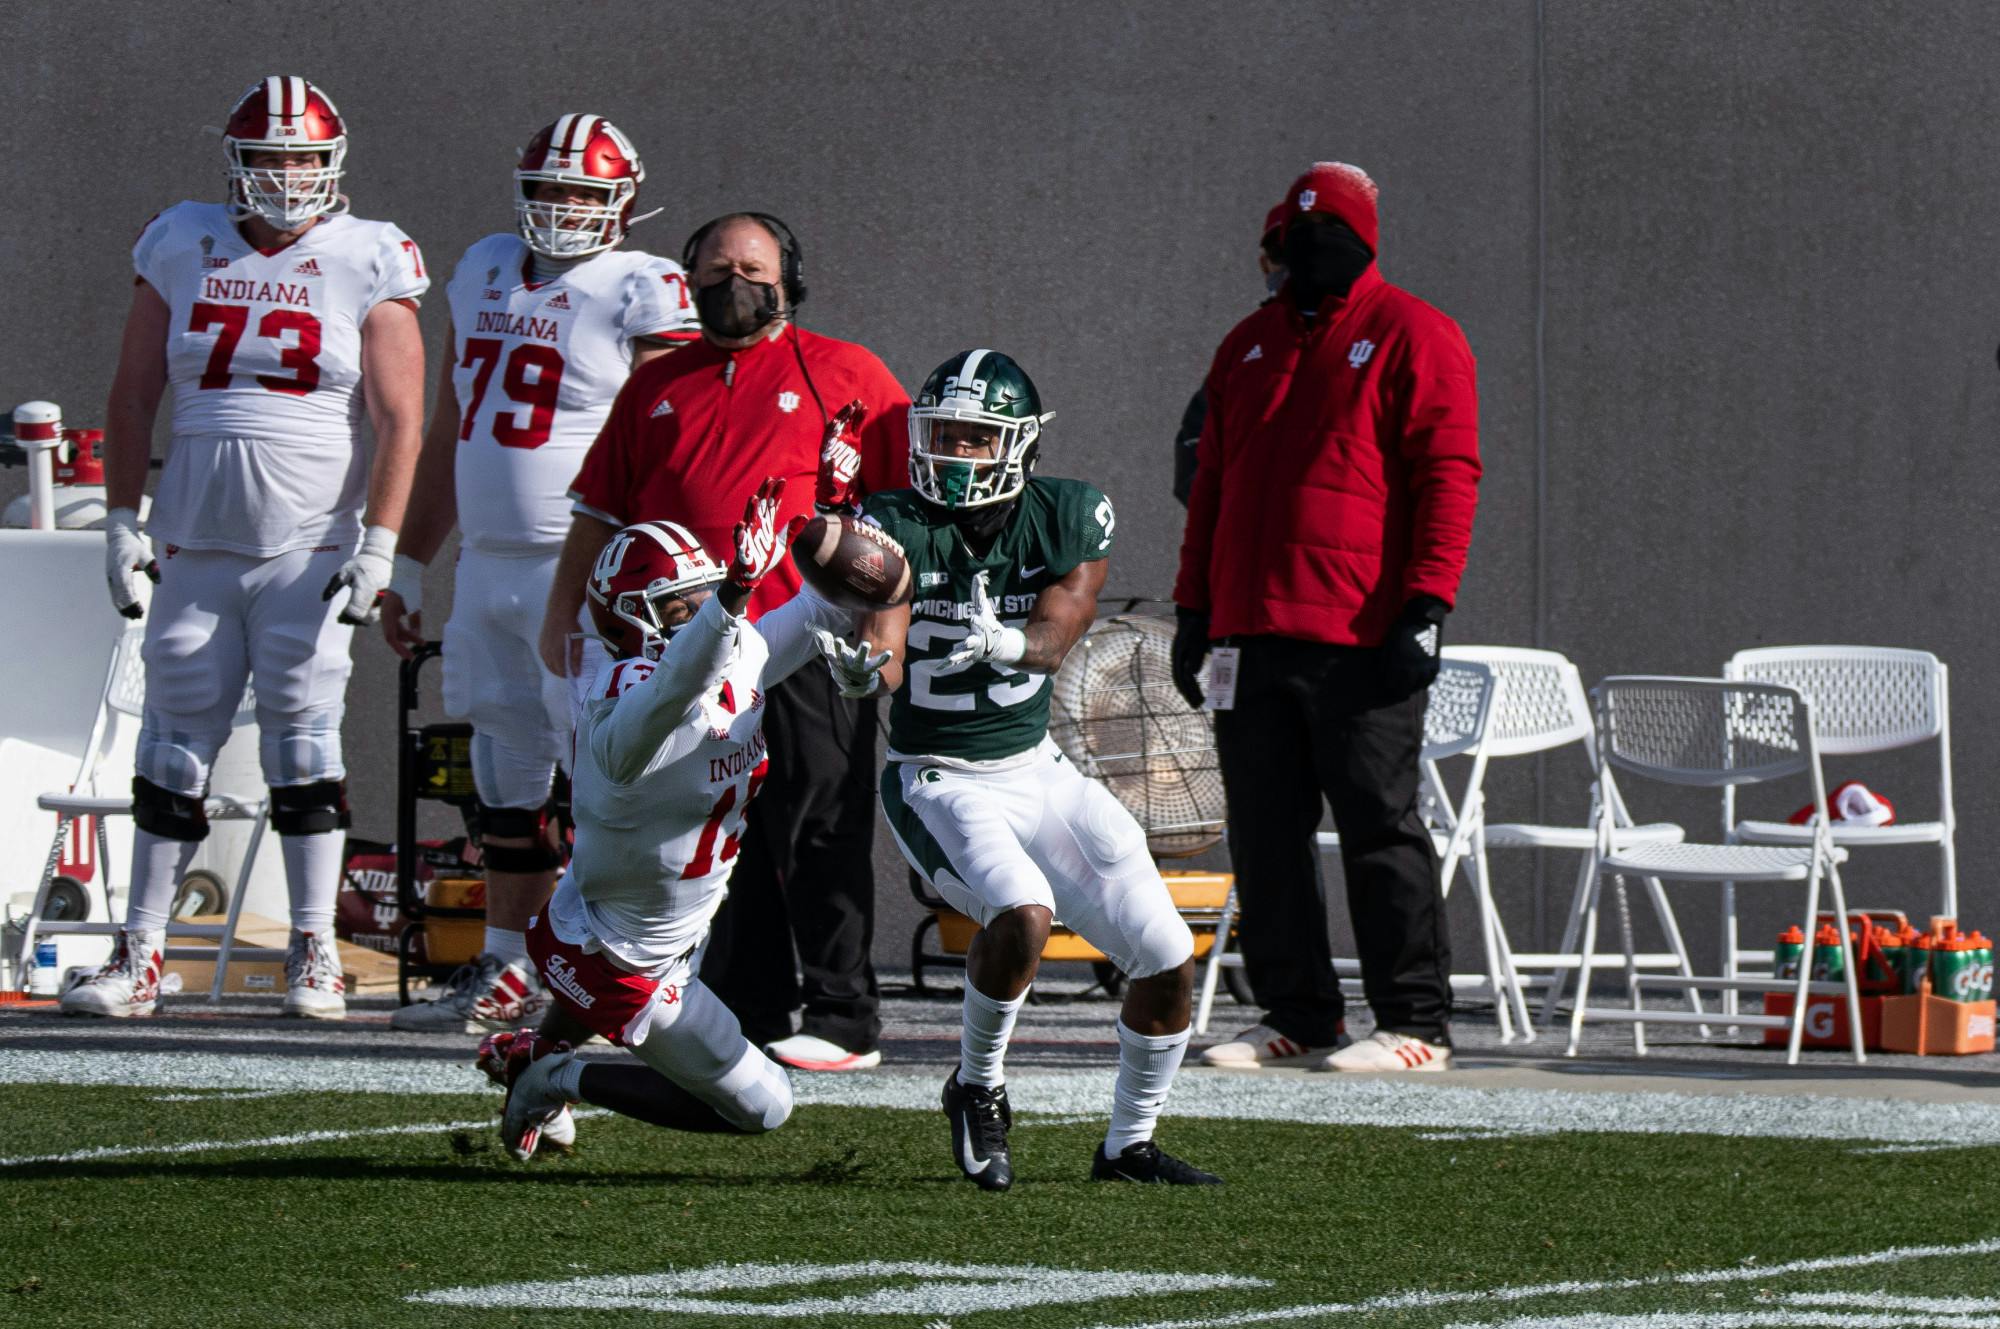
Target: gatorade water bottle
(1910, 962)
(1827, 964)
(1785, 955)
(1954, 969)
(1921, 951)
(1982, 967)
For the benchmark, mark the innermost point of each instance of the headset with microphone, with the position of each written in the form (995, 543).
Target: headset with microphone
(791, 261)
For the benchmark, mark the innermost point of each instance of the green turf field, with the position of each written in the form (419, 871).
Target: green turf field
(856, 1216)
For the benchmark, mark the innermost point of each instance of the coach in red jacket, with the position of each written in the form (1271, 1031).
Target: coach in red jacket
(1326, 534)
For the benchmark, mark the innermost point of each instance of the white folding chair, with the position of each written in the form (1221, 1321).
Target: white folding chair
(1454, 722)
(121, 707)
(1865, 699)
(1539, 705)
(1711, 733)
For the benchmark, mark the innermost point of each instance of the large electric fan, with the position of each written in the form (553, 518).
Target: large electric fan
(1116, 714)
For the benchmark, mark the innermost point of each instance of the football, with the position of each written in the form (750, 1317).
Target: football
(851, 563)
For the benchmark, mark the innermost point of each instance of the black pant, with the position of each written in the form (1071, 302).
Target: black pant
(1313, 720)
(806, 876)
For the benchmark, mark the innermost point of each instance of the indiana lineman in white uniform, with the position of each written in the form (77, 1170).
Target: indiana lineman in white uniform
(547, 323)
(276, 320)
(669, 753)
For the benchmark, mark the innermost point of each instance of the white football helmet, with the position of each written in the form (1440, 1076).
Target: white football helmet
(290, 115)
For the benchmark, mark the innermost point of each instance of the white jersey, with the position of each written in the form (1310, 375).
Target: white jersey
(667, 758)
(264, 361)
(537, 365)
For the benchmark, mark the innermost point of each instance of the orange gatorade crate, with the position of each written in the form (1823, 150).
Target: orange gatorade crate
(1932, 1026)
(1826, 1021)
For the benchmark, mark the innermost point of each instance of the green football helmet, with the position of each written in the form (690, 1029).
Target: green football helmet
(987, 390)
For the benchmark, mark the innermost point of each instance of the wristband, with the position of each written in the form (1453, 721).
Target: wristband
(1009, 646)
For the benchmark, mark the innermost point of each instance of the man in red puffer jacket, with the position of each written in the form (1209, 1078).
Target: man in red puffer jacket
(1327, 530)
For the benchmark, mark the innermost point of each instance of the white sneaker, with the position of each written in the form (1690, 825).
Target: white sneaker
(488, 994)
(1384, 1051)
(314, 986)
(1261, 1046)
(807, 1052)
(533, 1103)
(127, 985)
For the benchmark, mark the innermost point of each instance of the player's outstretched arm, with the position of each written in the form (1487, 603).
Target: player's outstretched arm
(1061, 615)
(658, 720)
(432, 512)
(136, 390)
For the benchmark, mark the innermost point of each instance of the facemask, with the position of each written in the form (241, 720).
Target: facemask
(1324, 258)
(736, 306)
(1273, 280)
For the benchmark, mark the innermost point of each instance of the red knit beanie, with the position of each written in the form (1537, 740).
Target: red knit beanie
(1342, 190)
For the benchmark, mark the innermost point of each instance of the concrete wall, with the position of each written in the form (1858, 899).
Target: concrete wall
(1753, 238)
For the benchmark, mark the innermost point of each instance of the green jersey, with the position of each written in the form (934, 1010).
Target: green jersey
(989, 710)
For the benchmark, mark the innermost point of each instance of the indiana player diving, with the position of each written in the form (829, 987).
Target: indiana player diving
(669, 753)
(982, 803)
(278, 321)
(547, 322)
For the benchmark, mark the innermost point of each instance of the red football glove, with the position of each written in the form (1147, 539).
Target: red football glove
(759, 548)
(840, 460)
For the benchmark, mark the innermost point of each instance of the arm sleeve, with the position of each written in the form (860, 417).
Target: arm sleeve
(1191, 588)
(1440, 446)
(657, 304)
(399, 268)
(787, 630)
(885, 437)
(647, 729)
(602, 487)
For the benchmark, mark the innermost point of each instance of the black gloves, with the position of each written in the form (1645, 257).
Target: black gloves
(1190, 649)
(1410, 651)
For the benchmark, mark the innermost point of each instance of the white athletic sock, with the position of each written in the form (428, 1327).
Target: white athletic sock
(158, 864)
(312, 876)
(982, 1038)
(1146, 1066)
(511, 947)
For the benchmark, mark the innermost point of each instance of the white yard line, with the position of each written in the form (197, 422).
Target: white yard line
(266, 1142)
(1701, 1277)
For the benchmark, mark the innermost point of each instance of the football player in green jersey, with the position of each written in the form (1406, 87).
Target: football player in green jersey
(1006, 571)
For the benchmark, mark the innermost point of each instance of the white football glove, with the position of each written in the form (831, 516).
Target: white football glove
(364, 576)
(986, 637)
(126, 554)
(407, 583)
(857, 672)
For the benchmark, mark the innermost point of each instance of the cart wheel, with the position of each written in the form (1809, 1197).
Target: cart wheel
(1238, 982)
(201, 892)
(68, 902)
(1108, 977)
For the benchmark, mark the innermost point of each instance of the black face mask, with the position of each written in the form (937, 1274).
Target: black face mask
(981, 524)
(1324, 258)
(736, 306)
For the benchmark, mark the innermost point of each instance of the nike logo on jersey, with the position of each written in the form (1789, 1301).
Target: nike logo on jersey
(664, 407)
(1035, 571)
(1256, 353)
(309, 268)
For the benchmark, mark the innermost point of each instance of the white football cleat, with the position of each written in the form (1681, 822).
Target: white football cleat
(808, 1052)
(1384, 1051)
(533, 1103)
(127, 985)
(1261, 1046)
(487, 994)
(314, 986)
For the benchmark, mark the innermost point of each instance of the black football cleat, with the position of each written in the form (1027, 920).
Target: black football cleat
(979, 1120)
(1147, 1162)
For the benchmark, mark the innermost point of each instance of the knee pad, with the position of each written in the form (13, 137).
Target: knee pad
(300, 749)
(169, 815)
(530, 824)
(310, 809)
(1157, 938)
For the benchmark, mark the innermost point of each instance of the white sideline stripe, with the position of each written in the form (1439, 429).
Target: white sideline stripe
(267, 1142)
(1727, 1320)
(1888, 1302)
(1699, 1277)
(217, 1098)
(1316, 1100)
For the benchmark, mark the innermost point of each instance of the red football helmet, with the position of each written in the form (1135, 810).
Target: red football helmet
(578, 150)
(642, 568)
(289, 115)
